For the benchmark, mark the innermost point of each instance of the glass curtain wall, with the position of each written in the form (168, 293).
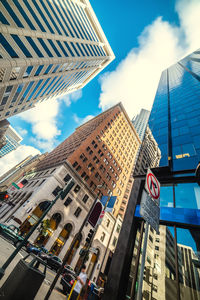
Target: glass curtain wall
(172, 254)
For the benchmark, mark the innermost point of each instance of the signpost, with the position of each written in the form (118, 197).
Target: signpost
(150, 211)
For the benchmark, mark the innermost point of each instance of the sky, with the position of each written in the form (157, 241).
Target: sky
(146, 37)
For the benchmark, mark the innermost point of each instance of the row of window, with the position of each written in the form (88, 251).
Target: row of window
(43, 48)
(62, 17)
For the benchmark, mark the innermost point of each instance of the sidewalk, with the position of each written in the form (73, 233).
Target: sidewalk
(6, 249)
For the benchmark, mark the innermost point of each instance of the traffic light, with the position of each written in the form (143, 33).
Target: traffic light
(67, 189)
(4, 196)
(82, 252)
(89, 236)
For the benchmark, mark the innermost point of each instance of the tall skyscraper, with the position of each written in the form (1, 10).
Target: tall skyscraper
(13, 140)
(140, 122)
(102, 151)
(47, 49)
(175, 125)
(175, 115)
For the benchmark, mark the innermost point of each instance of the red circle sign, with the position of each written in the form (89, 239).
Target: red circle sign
(153, 186)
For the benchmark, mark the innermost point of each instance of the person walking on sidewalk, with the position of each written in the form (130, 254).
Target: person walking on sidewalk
(81, 280)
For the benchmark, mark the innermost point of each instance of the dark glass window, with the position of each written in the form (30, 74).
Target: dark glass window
(28, 71)
(77, 212)
(85, 198)
(43, 44)
(77, 188)
(39, 69)
(7, 46)
(56, 191)
(12, 14)
(67, 178)
(34, 46)
(75, 164)
(68, 201)
(54, 47)
(21, 45)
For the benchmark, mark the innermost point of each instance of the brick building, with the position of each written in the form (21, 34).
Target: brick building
(102, 151)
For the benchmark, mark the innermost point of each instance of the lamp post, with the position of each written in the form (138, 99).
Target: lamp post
(61, 194)
(77, 236)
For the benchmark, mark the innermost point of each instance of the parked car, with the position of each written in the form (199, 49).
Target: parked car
(35, 250)
(54, 262)
(69, 269)
(67, 281)
(11, 233)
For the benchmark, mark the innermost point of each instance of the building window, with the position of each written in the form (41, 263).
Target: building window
(150, 238)
(56, 191)
(156, 248)
(75, 164)
(67, 178)
(118, 228)
(68, 201)
(85, 198)
(102, 236)
(77, 212)
(107, 223)
(78, 168)
(77, 188)
(42, 182)
(83, 174)
(86, 178)
(114, 241)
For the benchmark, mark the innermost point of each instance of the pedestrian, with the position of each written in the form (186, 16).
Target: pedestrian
(81, 280)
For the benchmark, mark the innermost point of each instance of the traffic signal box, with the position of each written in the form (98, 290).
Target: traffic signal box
(89, 236)
(4, 196)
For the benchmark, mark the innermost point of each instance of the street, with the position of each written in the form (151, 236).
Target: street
(6, 249)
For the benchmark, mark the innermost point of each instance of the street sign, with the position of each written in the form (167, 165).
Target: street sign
(152, 186)
(150, 211)
(93, 250)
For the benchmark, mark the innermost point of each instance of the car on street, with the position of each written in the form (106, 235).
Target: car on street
(35, 250)
(53, 262)
(67, 281)
(11, 233)
(69, 269)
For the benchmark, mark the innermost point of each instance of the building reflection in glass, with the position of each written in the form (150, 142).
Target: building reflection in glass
(160, 266)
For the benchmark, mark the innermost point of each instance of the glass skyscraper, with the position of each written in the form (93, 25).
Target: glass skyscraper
(47, 49)
(175, 116)
(140, 122)
(172, 263)
(13, 140)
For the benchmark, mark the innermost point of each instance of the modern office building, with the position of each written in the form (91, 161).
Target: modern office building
(140, 122)
(175, 125)
(13, 140)
(4, 124)
(102, 151)
(47, 49)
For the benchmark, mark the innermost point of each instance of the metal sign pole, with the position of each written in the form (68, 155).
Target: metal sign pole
(140, 282)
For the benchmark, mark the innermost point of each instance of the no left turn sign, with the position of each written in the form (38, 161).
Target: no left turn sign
(152, 185)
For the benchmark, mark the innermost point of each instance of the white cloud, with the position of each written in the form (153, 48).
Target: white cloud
(43, 119)
(11, 159)
(135, 80)
(82, 120)
(69, 98)
(21, 131)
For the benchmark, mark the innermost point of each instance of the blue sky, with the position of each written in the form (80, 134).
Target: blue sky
(146, 37)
